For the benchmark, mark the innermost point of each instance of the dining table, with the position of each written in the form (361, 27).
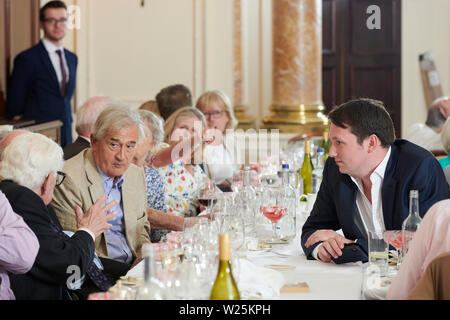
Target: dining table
(293, 276)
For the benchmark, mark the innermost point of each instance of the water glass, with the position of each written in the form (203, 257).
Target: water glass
(378, 253)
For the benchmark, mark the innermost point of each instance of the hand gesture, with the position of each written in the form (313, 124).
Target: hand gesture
(332, 244)
(95, 219)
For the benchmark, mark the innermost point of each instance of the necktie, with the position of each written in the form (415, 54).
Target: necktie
(64, 74)
(94, 273)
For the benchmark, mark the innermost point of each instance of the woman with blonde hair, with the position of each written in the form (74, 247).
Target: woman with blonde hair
(184, 177)
(218, 160)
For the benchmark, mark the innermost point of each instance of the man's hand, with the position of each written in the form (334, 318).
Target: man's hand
(332, 248)
(95, 219)
(332, 244)
(17, 118)
(320, 235)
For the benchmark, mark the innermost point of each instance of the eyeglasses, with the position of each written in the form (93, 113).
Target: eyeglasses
(214, 114)
(55, 21)
(60, 176)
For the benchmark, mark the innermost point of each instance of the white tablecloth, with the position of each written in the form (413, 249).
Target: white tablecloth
(326, 281)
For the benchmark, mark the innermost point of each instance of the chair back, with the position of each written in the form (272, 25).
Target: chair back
(435, 281)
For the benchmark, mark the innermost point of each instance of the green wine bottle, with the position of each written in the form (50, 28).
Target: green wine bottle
(224, 287)
(326, 144)
(307, 168)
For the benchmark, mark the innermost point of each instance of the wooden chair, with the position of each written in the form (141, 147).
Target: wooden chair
(435, 281)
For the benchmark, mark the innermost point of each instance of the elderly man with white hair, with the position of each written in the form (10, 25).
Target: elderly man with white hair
(30, 170)
(106, 168)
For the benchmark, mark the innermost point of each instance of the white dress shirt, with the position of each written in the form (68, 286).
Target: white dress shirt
(371, 212)
(54, 58)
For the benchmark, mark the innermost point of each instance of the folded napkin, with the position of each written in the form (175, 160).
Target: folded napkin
(257, 282)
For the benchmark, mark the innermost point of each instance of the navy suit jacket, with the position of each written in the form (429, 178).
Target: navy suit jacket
(409, 167)
(35, 93)
(48, 277)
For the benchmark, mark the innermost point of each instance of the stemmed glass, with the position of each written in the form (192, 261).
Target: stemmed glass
(274, 214)
(234, 225)
(207, 194)
(394, 238)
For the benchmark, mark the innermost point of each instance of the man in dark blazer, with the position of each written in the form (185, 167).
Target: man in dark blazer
(61, 260)
(43, 79)
(87, 114)
(366, 181)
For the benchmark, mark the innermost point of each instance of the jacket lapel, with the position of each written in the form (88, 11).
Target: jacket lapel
(129, 210)
(388, 190)
(72, 71)
(45, 58)
(348, 206)
(95, 189)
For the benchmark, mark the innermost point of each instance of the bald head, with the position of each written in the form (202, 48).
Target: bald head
(443, 103)
(9, 137)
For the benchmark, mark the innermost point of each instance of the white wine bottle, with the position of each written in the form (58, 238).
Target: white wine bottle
(224, 287)
(307, 168)
(411, 223)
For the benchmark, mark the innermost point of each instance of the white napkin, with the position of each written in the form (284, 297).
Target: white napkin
(137, 271)
(257, 282)
(292, 249)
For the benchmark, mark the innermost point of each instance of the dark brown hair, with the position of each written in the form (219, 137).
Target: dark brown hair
(365, 117)
(56, 4)
(172, 98)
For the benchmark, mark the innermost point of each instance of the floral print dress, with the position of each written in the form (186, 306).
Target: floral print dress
(156, 198)
(182, 188)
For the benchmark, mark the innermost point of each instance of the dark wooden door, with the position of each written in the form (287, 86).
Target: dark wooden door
(362, 53)
(19, 30)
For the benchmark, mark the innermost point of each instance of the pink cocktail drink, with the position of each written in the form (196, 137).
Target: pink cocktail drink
(274, 213)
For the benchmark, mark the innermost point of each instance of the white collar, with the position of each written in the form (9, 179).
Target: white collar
(379, 170)
(50, 47)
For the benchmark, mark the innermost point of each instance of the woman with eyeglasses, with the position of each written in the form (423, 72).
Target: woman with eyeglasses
(218, 162)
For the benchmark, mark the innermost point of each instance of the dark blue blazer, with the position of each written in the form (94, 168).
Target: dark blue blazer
(34, 91)
(410, 167)
(48, 277)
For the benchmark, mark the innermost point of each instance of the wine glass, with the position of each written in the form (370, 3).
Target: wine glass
(207, 193)
(394, 238)
(274, 214)
(234, 224)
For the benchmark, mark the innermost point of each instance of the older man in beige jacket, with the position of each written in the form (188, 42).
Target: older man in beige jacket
(106, 168)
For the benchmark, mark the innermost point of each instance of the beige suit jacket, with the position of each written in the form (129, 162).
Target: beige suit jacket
(83, 187)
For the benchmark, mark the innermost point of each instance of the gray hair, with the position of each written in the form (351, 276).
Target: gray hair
(115, 117)
(155, 124)
(434, 118)
(438, 100)
(30, 158)
(88, 113)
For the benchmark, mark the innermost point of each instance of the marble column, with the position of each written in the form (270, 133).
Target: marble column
(240, 70)
(297, 67)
